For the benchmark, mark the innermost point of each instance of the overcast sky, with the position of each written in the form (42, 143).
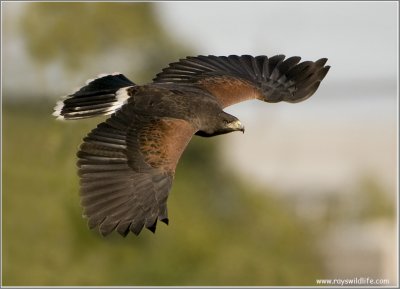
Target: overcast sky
(359, 38)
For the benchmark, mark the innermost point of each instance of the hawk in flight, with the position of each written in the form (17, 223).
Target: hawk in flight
(127, 163)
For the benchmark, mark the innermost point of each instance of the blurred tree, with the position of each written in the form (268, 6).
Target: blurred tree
(376, 203)
(80, 33)
(370, 201)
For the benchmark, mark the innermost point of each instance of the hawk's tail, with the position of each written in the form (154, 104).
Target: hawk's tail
(100, 96)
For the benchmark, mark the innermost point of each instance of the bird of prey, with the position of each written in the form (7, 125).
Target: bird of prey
(127, 163)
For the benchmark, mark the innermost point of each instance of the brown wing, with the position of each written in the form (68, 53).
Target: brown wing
(234, 78)
(126, 166)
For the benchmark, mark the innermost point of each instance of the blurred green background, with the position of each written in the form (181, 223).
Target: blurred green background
(223, 230)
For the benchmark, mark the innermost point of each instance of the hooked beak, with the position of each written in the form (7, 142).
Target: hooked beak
(236, 125)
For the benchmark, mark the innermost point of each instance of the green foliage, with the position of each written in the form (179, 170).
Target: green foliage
(375, 202)
(369, 201)
(222, 231)
(77, 33)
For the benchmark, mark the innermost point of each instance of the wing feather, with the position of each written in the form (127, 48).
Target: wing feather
(236, 78)
(126, 166)
(234, 62)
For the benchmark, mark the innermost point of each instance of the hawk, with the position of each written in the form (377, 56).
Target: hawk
(127, 163)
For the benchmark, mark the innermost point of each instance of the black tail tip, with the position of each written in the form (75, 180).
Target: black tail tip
(165, 221)
(153, 227)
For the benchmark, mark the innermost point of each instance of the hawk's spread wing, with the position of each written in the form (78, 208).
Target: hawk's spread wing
(126, 166)
(234, 78)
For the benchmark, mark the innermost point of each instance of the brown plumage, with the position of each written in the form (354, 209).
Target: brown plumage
(127, 164)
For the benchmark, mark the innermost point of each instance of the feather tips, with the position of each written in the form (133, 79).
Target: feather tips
(272, 79)
(117, 193)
